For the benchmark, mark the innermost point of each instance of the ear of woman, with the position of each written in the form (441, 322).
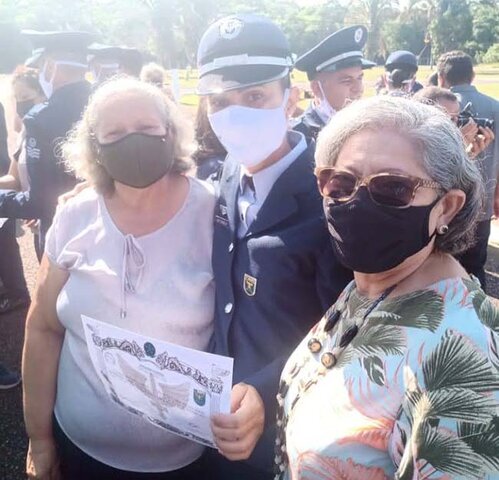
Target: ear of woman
(448, 207)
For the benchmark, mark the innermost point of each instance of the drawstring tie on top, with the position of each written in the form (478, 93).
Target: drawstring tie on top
(133, 266)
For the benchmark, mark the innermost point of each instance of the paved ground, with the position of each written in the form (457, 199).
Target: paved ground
(12, 437)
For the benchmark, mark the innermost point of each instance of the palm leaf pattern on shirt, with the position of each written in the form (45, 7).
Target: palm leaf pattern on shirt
(457, 381)
(383, 333)
(421, 309)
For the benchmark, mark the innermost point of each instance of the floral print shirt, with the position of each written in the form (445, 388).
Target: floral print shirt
(413, 396)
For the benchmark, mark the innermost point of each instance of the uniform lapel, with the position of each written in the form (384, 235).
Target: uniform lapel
(281, 202)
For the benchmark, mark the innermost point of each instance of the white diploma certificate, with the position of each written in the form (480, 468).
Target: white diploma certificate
(174, 387)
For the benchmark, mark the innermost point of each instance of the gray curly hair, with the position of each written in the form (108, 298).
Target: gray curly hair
(441, 146)
(79, 149)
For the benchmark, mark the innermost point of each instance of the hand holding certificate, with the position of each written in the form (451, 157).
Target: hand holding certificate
(174, 387)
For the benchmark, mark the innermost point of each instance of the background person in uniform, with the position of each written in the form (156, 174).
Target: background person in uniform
(103, 62)
(400, 73)
(455, 71)
(334, 68)
(275, 272)
(13, 290)
(402, 383)
(131, 61)
(134, 251)
(477, 139)
(27, 93)
(62, 79)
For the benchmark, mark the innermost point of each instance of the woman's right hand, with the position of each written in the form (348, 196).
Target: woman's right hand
(42, 462)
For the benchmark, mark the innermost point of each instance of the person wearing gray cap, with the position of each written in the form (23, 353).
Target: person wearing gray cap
(334, 68)
(275, 270)
(62, 56)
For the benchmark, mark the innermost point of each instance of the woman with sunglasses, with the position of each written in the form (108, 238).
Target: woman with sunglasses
(400, 378)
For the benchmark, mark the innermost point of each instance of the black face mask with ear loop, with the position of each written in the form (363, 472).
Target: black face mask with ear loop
(372, 238)
(137, 160)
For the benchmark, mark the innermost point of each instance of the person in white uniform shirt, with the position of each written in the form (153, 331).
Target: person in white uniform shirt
(133, 251)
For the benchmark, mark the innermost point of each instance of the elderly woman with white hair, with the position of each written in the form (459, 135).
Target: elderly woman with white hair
(134, 251)
(400, 378)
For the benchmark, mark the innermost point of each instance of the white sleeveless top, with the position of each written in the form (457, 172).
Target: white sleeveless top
(173, 300)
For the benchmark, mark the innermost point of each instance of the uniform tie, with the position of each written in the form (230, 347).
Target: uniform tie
(248, 198)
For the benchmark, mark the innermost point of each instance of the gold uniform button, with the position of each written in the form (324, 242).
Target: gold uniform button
(314, 345)
(328, 360)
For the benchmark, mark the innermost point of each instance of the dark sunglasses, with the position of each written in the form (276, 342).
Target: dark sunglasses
(387, 189)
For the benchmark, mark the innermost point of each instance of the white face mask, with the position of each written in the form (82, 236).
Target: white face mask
(324, 109)
(104, 71)
(48, 85)
(45, 84)
(250, 135)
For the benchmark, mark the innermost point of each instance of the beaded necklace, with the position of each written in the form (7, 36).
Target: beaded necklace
(329, 358)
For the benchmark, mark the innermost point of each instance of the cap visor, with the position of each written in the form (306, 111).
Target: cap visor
(367, 64)
(233, 78)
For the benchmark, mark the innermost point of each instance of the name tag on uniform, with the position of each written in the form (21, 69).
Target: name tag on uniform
(221, 216)
(249, 285)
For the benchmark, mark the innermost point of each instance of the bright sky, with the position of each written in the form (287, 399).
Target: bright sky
(307, 3)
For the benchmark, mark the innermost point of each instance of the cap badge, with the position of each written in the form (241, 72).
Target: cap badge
(230, 28)
(358, 35)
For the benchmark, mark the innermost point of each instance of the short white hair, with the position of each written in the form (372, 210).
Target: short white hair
(437, 139)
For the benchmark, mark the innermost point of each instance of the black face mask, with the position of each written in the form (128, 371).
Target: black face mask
(137, 160)
(22, 108)
(371, 238)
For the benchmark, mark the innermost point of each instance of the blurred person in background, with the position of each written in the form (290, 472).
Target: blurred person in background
(210, 153)
(62, 79)
(13, 290)
(103, 62)
(27, 94)
(156, 75)
(455, 71)
(131, 61)
(477, 139)
(134, 251)
(400, 74)
(334, 69)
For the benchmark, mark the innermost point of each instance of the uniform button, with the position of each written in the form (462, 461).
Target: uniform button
(228, 308)
(231, 247)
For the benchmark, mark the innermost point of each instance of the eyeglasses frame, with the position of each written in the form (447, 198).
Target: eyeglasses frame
(364, 182)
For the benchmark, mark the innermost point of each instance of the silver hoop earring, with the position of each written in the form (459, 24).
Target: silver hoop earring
(443, 230)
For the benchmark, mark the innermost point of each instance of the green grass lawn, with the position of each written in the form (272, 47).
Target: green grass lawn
(487, 81)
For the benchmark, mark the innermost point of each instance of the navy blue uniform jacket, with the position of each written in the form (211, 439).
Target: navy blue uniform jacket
(310, 123)
(287, 249)
(46, 125)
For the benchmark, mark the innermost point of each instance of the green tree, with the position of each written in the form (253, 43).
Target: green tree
(485, 27)
(447, 15)
(373, 14)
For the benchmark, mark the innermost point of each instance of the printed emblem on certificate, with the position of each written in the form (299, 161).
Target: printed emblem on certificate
(174, 387)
